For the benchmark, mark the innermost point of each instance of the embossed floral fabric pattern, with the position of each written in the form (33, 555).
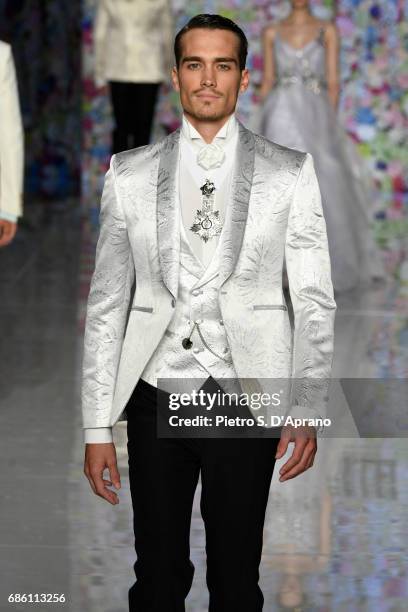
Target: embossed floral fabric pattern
(106, 310)
(275, 212)
(309, 273)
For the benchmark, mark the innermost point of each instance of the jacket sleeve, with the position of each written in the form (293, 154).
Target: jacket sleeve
(100, 42)
(11, 142)
(311, 290)
(106, 313)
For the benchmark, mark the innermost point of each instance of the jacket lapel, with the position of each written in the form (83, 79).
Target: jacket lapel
(237, 208)
(168, 217)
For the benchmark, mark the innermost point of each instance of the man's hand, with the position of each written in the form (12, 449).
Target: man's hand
(98, 457)
(7, 231)
(303, 454)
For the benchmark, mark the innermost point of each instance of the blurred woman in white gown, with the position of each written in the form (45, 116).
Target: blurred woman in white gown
(299, 97)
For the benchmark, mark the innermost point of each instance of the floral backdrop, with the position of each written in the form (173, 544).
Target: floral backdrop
(373, 106)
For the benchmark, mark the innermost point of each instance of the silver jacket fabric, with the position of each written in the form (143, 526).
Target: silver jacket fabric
(274, 214)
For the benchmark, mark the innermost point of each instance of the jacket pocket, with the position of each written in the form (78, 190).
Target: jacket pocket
(142, 308)
(269, 307)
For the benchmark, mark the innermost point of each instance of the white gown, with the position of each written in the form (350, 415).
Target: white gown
(297, 113)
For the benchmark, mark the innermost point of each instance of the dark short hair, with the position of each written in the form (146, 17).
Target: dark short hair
(213, 22)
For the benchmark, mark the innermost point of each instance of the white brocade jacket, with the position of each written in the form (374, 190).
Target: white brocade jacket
(274, 214)
(133, 41)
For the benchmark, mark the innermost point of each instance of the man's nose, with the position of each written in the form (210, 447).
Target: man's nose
(208, 77)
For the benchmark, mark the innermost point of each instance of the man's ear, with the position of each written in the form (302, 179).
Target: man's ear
(175, 79)
(244, 80)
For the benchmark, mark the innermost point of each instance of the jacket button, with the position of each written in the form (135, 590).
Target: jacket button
(173, 302)
(221, 322)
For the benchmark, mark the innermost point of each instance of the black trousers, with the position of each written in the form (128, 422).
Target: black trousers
(133, 107)
(235, 475)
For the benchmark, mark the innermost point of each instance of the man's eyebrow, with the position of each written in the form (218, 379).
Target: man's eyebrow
(196, 58)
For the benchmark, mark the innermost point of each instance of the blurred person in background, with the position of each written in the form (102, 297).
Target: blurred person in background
(133, 41)
(299, 97)
(11, 148)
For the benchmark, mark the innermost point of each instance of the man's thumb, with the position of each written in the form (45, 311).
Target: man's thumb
(115, 476)
(282, 446)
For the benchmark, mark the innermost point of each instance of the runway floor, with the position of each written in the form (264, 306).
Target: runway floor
(335, 537)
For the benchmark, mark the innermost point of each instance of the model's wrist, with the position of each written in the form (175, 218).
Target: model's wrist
(98, 435)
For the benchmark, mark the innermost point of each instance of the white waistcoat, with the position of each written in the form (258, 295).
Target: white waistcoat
(197, 302)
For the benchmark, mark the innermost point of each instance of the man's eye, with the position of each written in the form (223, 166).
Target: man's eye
(224, 66)
(193, 65)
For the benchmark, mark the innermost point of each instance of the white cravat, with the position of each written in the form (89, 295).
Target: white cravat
(211, 156)
(221, 155)
(223, 142)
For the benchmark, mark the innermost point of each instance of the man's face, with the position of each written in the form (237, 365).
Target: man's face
(209, 78)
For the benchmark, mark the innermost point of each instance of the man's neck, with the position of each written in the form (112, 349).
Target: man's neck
(207, 129)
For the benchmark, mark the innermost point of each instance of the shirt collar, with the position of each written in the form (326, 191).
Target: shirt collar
(225, 133)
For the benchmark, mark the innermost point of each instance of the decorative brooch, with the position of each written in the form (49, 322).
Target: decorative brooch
(207, 222)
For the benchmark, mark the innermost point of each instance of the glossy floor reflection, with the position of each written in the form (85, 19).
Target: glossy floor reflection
(335, 537)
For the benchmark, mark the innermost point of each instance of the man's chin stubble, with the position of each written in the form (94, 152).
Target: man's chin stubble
(210, 114)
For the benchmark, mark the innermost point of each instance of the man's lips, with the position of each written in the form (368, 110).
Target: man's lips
(205, 95)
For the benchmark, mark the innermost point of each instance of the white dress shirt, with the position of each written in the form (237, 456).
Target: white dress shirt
(192, 176)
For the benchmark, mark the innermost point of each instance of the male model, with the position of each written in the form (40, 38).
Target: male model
(11, 148)
(188, 285)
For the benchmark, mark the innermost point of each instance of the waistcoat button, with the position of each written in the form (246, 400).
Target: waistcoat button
(195, 292)
(221, 322)
(173, 302)
(196, 350)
